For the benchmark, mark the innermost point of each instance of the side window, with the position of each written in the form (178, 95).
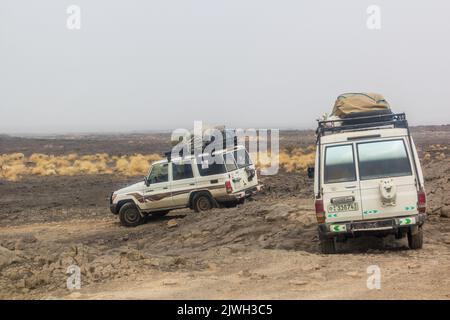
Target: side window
(182, 171)
(242, 158)
(208, 169)
(159, 173)
(229, 162)
(339, 164)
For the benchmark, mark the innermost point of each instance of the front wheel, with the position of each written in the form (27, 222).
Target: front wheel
(129, 215)
(415, 239)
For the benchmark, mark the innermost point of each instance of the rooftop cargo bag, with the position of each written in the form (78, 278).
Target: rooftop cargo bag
(350, 106)
(349, 103)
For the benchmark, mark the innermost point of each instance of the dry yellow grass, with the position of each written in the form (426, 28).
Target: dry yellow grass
(15, 165)
(291, 159)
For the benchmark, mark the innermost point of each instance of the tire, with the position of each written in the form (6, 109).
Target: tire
(202, 202)
(160, 213)
(327, 246)
(415, 241)
(129, 215)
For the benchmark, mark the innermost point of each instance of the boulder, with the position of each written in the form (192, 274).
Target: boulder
(172, 223)
(6, 257)
(445, 212)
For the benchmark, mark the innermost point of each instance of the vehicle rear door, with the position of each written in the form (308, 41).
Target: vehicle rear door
(383, 160)
(340, 187)
(244, 174)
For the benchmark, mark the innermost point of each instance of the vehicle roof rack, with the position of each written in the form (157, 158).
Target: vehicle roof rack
(396, 120)
(227, 141)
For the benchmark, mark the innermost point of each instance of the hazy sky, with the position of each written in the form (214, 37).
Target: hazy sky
(161, 64)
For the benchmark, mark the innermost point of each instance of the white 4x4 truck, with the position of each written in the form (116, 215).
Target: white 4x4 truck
(188, 182)
(368, 180)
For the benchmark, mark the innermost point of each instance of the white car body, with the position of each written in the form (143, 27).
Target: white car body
(368, 181)
(179, 186)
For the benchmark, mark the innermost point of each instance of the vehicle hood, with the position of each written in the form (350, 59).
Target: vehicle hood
(134, 187)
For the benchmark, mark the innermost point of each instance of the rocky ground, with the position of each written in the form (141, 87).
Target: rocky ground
(265, 248)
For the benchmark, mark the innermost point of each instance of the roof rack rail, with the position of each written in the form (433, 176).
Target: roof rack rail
(398, 120)
(227, 141)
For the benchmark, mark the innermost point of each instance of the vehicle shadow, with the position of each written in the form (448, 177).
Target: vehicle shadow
(372, 245)
(154, 219)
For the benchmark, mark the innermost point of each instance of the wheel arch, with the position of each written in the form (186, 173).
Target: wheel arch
(120, 204)
(205, 192)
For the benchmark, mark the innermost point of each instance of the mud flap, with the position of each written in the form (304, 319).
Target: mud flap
(414, 230)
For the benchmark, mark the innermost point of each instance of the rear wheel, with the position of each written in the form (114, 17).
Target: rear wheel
(327, 246)
(129, 215)
(415, 238)
(202, 202)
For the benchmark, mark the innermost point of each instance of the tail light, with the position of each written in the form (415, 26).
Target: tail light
(228, 186)
(320, 211)
(421, 201)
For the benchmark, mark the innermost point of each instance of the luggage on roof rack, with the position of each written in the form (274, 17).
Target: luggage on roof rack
(348, 104)
(366, 117)
(229, 139)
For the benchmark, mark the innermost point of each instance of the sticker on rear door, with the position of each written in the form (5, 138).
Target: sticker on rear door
(343, 207)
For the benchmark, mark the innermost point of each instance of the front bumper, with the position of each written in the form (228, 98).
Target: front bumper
(113, 208)
(377, 226)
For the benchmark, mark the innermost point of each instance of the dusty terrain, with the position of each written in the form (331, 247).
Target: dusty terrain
(265, 248)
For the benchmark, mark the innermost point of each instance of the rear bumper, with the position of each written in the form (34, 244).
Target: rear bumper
(240, 195)
(378, 226)
(248, 192)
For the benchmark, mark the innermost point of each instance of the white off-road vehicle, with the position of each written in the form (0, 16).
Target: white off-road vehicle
(368, 179)
(188, 181)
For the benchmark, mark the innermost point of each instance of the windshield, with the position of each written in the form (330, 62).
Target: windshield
(383, 159)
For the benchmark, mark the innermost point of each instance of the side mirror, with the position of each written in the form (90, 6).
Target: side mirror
(147, 183)
(311, 172)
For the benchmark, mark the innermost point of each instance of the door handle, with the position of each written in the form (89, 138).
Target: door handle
(350, 187)
(192, 184)
(166, 188)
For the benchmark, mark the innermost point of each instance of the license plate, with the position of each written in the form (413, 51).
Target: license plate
(374, 225)
(343, 207)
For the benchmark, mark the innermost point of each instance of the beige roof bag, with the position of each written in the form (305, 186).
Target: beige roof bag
(348, 103)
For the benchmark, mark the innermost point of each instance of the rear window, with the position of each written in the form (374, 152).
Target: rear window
(207, 169)
(229, 161)
(383, 159)
(339, 164)
(242, 158)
